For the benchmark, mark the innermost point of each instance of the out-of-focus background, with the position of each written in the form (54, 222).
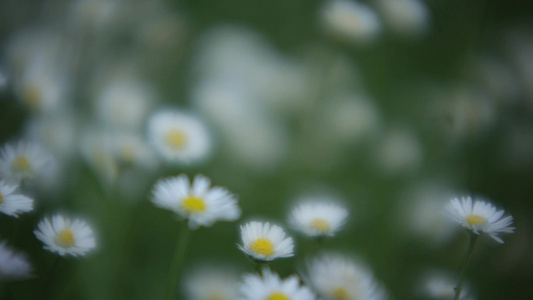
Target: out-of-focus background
(391, 107)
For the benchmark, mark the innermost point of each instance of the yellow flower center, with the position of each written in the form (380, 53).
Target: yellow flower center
(1, 198)
(65, 238)
(263, 247)
(475, 220)
(340, 294)
(193, 205)
(176, 138)
(21, 164)
(32, 97)
(320, 224)
(278, 296)
(128, 153)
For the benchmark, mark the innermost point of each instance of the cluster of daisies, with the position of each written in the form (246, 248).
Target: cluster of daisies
(20, 165)
(327, 275)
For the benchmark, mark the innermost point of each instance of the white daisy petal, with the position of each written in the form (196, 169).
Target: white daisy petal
(480, 217)
(270, 286)
(201, 204)
(334, 276)
(13, 265)
(264, 242)
(13, 204)
(318, 219)
(25, 160)
(64, 237)
(179, 137)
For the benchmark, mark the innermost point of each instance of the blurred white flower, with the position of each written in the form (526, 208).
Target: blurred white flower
(57, 131)
(211, 283)
(480, 216)
(179, 137)
(406, 17)
(265, 242)
(421, 212)
(336, 277)
(350, 20)
(130, 148)
(269, 286)
(399, 151)
(318, 219)
(25, 160)
(350, 117)
(250, 133)
(13, 264)
(199, 203)
(124, 102)
(440, 285)
(65, 237)
(97, 151)
(13, 204)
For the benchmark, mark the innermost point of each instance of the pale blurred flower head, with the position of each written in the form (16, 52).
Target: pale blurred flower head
(265, 241)
(64, 236)
(322, 218)
(232, 52)
(26, 161)
(42, 88)
(179, 137)
(480, 216)
(95, 15)
(350, 21)
(496, 78)
(440, 285)
(350, 117)
(399, 151)
(269, 285)
(211, 283)
(14, 265)
(97, 151)
(406, 17)
(124, 102)
(131, 149)
(334, 276)
(249, 132)
(13, 204)
(57, 131)
(421, 212)
(197, 202)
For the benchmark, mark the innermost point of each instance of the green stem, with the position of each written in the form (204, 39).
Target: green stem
(259, 266)
(473, 239)
(177, 262)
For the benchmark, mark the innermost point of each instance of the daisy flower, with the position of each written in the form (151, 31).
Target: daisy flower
(440, 285)
(12, 204)
(336, 277)
(480, 217)
(265, 242)
(13, 265)
(212, 283)
(179, 137)
(318, 219)
(24, 161)
(269, 286)
(201, 204)
(350, 20)
(63, 236)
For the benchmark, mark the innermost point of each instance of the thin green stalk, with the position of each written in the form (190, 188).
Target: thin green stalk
(177, 262)
(259, 265)
(473, 239)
